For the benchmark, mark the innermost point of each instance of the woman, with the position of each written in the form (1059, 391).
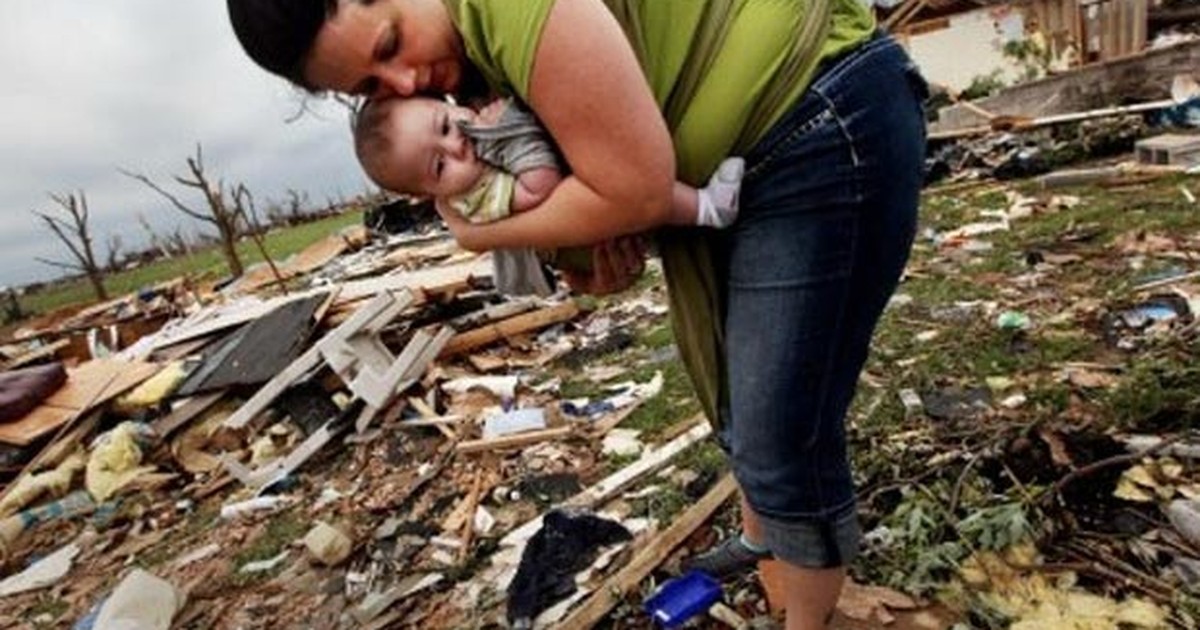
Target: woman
(774, 315)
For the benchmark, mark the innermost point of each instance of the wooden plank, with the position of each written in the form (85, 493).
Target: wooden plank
(35, 424)
(191, 409)
(610, 593)
(515, 441)
(618, 481)
(428, 414)
(91, 384)
(429, 279)
(309, 259)
(433, 421)
(484, 335)
(46, 351)
(903, 15)
(1023, 124)
(468, 529)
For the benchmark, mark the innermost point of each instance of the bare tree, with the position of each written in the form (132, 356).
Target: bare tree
(77, 237)
(156, 242)
(296, 203)
(115, 247)
(222, 212)
(177, 243)
(244, 202)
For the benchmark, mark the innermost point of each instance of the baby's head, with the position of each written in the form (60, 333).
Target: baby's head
(414, 146)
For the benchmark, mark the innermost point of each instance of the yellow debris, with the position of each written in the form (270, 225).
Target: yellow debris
(1037, 601)
(114, 462)
(153, 390)
(30, 488)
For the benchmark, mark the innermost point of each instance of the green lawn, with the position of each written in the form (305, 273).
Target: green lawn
(207, 263)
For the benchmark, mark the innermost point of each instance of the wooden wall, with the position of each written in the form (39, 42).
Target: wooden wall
(1100, 30)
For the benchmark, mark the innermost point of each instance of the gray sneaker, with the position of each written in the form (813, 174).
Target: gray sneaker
(728, 559)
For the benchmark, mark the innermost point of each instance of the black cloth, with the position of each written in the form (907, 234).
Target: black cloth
(564, 546)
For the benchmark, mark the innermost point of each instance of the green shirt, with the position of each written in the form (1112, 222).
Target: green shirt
(722, 71)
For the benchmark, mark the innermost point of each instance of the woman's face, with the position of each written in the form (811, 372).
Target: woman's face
(381, 48)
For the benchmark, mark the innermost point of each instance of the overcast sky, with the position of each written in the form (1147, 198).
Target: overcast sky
(87, 87)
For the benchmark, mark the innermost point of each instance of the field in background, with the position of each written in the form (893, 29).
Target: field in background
(208, 263)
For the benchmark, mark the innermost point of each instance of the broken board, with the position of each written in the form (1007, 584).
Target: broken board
(258, 351)
(89, 385)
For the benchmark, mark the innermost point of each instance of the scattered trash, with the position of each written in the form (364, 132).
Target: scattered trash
(374, 604)
(265, 565)
(328, 545)
(142, 601)
(565, 545)
(53, 483)
(1124, 328)
(1014, 401)
(911, 401)
(257, 504)
(954, 403)
(115, 459)
(399, 529)
(622, 443)
(206, 551)
(1013, 320)
(511, 422)
(682, 598)
(503, 387)
(1185, 517)
(45, 572)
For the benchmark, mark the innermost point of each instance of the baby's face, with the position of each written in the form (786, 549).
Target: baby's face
(433, 155)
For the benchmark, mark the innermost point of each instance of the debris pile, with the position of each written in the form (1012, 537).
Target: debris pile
(369, 435)
(379, 439)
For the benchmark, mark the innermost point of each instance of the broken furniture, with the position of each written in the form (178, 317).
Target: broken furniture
(355, 353)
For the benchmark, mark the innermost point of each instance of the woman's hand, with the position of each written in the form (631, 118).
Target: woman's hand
(464, 232)
(616, 265)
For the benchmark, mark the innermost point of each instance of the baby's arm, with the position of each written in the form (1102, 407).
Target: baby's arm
(533, 187)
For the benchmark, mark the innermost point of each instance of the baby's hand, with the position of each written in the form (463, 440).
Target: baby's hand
(490, 114)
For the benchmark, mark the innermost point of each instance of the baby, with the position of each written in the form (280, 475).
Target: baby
(489, 164)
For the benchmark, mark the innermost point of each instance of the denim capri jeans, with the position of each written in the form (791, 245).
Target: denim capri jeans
(828, 214)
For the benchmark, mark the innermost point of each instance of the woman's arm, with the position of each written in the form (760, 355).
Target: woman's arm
(590, 93)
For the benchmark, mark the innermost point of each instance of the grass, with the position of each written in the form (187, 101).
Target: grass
(1156, 392)
(207, 263)
(195, 524)
(284, 529)
(46, 612)
(675, 403)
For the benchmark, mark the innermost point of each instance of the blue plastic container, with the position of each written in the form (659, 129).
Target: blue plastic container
(682, 598)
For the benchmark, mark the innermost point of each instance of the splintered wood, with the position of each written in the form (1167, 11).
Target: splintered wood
(87, 386)
(490, 333)
(645, 560)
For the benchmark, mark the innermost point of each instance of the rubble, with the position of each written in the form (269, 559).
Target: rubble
(379, 446)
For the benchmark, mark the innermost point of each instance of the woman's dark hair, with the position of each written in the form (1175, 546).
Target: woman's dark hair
(277, 34)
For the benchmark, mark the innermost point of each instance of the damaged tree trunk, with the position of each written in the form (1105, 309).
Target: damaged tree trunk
(222, 214)
(77, 236)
